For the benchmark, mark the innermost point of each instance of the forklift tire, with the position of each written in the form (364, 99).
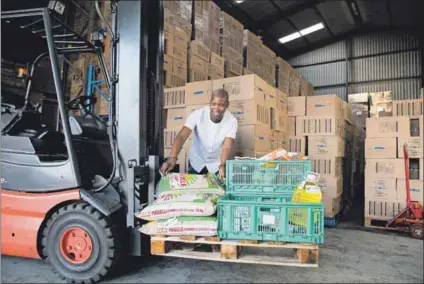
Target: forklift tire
(79, 243)
(417, 231)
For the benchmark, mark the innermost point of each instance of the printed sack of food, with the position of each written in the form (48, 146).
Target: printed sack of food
(180, 204)
(186, 183)
(180, 226)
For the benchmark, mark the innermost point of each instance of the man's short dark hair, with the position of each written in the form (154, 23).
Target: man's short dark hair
(220, 93)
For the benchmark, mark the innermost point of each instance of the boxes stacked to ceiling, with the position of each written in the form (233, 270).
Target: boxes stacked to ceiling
(231, 45)
(392, 125)
(177, 34)
(205, 61)
(283, 70)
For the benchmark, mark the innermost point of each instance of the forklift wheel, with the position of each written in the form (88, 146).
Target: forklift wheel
(417, 231)
(79, 243)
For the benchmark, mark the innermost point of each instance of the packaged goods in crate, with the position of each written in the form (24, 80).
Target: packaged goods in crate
(179, 226)
(284, 217)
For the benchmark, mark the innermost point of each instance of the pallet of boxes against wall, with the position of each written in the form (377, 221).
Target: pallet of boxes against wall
(206, 213)
(391, 125)
(321, 128)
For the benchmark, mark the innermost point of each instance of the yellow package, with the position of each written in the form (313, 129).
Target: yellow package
(308, 191)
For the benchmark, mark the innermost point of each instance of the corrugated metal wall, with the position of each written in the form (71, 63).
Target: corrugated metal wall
(376, 62)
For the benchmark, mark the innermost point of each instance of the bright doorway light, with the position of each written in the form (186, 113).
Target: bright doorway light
(303, 32)
(239, 1)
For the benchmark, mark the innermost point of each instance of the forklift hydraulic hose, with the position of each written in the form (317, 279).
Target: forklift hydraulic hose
(103, 19)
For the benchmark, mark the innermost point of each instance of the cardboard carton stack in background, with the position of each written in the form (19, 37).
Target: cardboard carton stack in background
(325, 130)
(205, 61)
(177, 34)
(252, 48)
(385, 193)
(283, 70)
(231, 45)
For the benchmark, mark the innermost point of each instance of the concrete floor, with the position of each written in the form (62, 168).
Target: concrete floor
(348, 255)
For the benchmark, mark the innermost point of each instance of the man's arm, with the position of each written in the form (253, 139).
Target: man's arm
(226, 150)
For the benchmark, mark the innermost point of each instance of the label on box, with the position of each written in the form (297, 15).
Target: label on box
(268, 220)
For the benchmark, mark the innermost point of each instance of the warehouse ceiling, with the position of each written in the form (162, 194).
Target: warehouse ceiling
(274, 19)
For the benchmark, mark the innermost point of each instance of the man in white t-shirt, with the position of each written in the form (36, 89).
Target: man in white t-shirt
(214, 130)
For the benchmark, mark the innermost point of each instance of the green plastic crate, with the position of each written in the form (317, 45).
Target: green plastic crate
(269, 217)
(265, 176)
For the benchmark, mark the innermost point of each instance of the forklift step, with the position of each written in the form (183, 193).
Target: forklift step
(106, 201)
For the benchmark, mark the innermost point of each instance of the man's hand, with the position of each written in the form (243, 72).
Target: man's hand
(169, 165)
(221, 173)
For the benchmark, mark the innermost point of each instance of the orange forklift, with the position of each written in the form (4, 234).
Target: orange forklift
(70, 192)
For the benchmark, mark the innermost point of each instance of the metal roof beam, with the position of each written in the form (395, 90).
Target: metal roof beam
(285, 14)
(323, 21)
(249, 23)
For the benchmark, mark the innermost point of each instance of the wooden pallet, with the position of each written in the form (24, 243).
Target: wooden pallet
(304, 255)
(377, 223)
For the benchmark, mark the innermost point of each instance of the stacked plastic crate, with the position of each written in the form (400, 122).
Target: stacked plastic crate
(258, 203)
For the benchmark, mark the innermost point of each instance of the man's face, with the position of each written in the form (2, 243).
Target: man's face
(218, 107)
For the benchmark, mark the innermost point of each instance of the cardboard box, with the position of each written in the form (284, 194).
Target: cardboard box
(195, 75)
(198, 93)
(328, 105)
(199, 49)
(414, 146)
(383, 189)
(332, 167)
(411, 108)
(168, 29)
(381, 148)
(180, 54)
(215, 72)
(217, 60)
(168, 62)
(332, 205)
(175, 117)
(385, 210)
(281, 120)
(169, 136)
(331, 186)
(297, 144)
(325, 146)
(195, 62)
(380, 97)
(387, 127)
(168, 46)
(245, 87)
(291, 126)
(282, 100)
(191, 108)
(179, 69)
(416, 190)
(385, 168)
(181, 43)
(251, 112)
(233, 68)
(174, 97)
(171, 80)
(247, 153)
(358, 98)
(253, 137)
(297, 106)
(381, 109)
(320, 125)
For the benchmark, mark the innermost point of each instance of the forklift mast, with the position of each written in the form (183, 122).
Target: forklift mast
(137, 88)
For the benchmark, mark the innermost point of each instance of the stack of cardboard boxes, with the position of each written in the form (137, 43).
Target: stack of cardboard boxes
(320, 128)
(232, 32)
(385, 185)
(177, 35)
(283, 70)
(205, 61)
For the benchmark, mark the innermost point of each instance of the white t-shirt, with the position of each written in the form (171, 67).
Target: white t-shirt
(208, 138)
